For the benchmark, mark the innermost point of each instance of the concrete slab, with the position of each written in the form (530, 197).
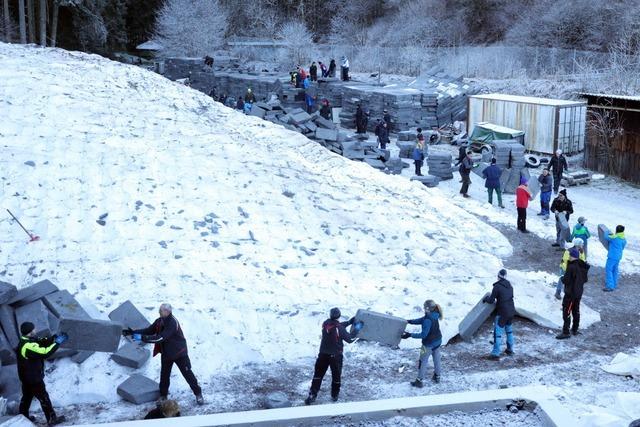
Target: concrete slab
(63, 304)
(534, 186)
(300, 117)
(277, 399)
(480, 168)
(8, 323)
(327, 134)
(10, 385)
(91, 334)
(428, 180)
(81, 356)
(61, 353)
(476, 317)
(129, 316)
(139, 389)
(7, 292)
(602, 232)
(36, 313)
(257, 112)
(131, 355)
(324, 123)
(7, 354)
(33, 293)
(380, 327)
(375, 163)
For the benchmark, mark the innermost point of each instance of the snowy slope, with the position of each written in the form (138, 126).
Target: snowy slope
(251, 231)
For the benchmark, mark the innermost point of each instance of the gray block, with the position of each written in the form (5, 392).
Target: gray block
(257, 112)
(379, 327)
(81, 356)
(9, 326)
(534, 186)
(324, 123)
(375, 163)
(131, 355)
(33, 293)
(300, 117)
(61, 353)
(10, 386)
(139, 389)
(327, 134)
(277, 399)
(91, 334)
(129, 316)
(428, 180)
(7, 354)
(480, 168)
(7, 292)
(36, 313)
(602, 232)
(476, 317)
(63, 304)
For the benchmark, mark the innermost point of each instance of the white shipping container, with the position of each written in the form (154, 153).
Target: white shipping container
(548, 124)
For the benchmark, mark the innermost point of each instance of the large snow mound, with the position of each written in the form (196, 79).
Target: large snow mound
(251, 231)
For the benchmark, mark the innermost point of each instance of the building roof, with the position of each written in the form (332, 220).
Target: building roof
(606, 95)
(528, 99)
(499, 129)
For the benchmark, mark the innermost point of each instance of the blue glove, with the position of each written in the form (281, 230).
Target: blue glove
(137, 337)
(358, 326)
(61, 338)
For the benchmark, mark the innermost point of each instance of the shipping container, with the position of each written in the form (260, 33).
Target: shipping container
(548, 124)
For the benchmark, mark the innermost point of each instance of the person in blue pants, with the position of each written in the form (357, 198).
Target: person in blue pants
(431, 341)
(502, 296)
(617, 242)
(546, 187)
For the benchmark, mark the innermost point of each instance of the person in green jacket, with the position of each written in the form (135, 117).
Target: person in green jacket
(581, 231)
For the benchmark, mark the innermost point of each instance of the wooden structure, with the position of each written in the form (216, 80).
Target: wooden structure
(613, 135)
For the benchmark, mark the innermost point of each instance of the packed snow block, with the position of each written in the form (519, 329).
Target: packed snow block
(428, 180)
(480, 168)
(327, 134)
(381, 328)
(476, 317)
(7, 292)
(36, 313)
(63, 304)
(129, 316)
(139, 389)
(91, 334)
(257, 112)
(33, 293)
(276, 399)
(603, 231)
(132, 355)
(9, 326)
(7, 354)
(324, 123)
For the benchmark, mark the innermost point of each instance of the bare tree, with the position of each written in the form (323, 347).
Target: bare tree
(298, 39)
(54, 22)
(23, 26)
(31, 20)
(606, 126)
(7, 22)
(43, 22)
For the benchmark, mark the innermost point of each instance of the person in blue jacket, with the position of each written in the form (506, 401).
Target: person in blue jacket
(546, 187)
(491, 175)
(617, 242)
(431, 341)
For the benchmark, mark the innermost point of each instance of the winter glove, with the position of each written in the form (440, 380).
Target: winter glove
(357, 326)
(137, 337)
(61, 338)
(405, 335)
(351, 321)
(485, 300)
(127, 332)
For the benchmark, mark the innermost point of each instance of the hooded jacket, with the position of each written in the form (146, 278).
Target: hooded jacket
(562, 206)
(574, 278)
(31, 355)
(523, 195)
(430, 335)
(617, 242)
(334, 333)
(502, 295)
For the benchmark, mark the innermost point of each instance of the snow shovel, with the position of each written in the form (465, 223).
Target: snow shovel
(32, 237)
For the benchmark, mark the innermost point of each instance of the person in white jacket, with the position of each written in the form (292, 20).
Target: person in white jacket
(345, 68)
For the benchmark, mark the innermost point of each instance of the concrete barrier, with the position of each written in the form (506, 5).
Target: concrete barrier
(7, 292)
(129, 316)
(131, 355)
(91, 334)
(382, 328)
(63, 304)
(140, 389)
(8, 323)
(476, 317)
(36, 313)
(602, 232)
(33, 293)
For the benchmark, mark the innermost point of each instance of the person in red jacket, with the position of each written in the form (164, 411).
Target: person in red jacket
(523, 195)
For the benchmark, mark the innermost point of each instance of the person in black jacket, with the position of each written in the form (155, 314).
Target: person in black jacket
(383, 135)
(31, 354)
(313, 72)
(562, 208)
(465, 174)
(360, 127)
(557, 165)
(325, 110)
(502, 295)
(332, 68)
(166, 334)
(334, 333)
(574, 279)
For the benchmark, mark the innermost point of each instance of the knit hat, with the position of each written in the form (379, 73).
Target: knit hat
(335, 314)
(578, 242)
(523, 180)
(502, 273)
(493, 161)
(564, 192)
(582, 220)
(574, 253)
(26, 328)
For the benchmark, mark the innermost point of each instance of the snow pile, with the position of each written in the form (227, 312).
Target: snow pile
(251, 231)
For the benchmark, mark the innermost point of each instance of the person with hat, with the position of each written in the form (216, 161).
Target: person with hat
(418, 155)
(546, 187)
(502, 296)
(332, 68)
(574, 279)
(360, 126)
(577, 243)
(31, 355)
(386, 117)
(313, 72)
(383, 135)
(581, 231)
(557, 165)
(431, 341)
(168, 339)
(562, 208)
(324, 70)
(164, 409)
(523, 195)
(617, 242)
(465, 174)
(334, 334)
(345, 68)
(249, 96)
(492, 175)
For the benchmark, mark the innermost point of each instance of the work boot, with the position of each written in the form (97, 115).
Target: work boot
(417, 383)
(466, 196)
(55, 420)
(199, 400)
(495, 357)
(310, 399)
(540, 214)
(557, 295)
(436, 379)
(555, 245)
(508, 352)
(563, 336)
(334, 398)
(502, 206)
(576, 332)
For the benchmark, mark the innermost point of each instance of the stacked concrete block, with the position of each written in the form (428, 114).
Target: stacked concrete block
(603, 231)
(91, 334)
(139, 389)
(7, 292)
(375, 163)
(427, 180)
(352, 150)
(33, 293)
(129, 316)
(324, 123)
(7, 354)
(406, 149)
(10, 385)
(131, 355)
(36, 313)
(9, 326)
(379, 327)
(502, 152)
(476, 317)
(63, 304)
(326, 134)
(395, 166)
(439, 164)
(480, 168)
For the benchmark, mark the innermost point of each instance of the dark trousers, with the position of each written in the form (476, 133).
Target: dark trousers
(522, 219)
(556, 183)
(418, 164)
(39, 391)
(345, 73)
(383, 145)
(570, 308)
(466, 180)
(323, 362)
(184, 364)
